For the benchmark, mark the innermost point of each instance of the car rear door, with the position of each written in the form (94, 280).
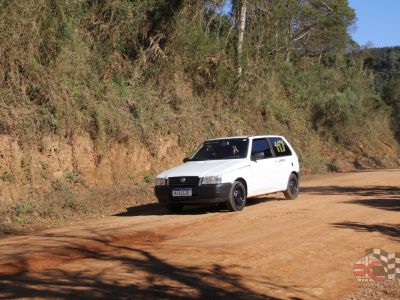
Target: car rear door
(283, 161)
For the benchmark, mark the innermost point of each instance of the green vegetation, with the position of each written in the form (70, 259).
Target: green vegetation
(148, 178)
(5, 176)
(128, 70)
(71, 176)
(385, 64)
(44, 175)
(64, 205)
(44, 166)
(391, 95)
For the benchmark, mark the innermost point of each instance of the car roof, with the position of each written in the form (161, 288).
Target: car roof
(244, 137)
(263, 136)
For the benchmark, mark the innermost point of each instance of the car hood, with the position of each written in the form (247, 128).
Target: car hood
(205, 168)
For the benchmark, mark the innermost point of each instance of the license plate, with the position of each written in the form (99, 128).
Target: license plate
(182, 192)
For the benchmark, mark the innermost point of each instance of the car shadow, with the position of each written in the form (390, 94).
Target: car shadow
(156, 209)
(150, 209)
(263, 199)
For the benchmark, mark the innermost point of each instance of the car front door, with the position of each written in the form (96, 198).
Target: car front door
(263, 179)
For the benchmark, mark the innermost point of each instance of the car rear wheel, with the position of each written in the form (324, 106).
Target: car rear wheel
(237, 197)
(292, 190)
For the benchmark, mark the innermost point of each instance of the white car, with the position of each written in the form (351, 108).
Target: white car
(230, 170)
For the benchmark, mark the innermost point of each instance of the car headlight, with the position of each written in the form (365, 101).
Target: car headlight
(211, 180)
(160, 181)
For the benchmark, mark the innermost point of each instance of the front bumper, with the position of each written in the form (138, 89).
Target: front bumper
(208, 193)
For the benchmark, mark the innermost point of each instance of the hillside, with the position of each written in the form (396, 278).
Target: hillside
(97, 97)
(385, 65)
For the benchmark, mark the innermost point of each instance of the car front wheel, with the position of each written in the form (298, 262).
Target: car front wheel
(237, 197)
(292, 190)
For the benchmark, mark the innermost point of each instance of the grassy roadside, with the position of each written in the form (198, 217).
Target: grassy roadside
(45, 209)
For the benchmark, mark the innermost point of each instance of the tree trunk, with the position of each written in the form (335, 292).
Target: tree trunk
(320, 57)
(242, 26)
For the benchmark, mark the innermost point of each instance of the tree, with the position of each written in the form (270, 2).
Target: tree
(293, 28)
(239, 12)
(391, 95)
(241, 29)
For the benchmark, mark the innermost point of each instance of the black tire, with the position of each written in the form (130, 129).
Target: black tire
(174, 207)
(237, 197)
(292, 190)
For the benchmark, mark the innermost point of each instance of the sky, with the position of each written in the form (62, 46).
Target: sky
(378, 22)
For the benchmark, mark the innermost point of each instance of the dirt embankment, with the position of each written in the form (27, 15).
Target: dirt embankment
(273, 249)
(78, 161)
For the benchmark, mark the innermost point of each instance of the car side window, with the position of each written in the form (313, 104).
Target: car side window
(280, 147)
(260, 149)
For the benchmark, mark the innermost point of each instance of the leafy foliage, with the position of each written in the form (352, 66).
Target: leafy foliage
(385, 64)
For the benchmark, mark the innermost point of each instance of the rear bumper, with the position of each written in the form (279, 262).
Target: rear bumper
(210, 193)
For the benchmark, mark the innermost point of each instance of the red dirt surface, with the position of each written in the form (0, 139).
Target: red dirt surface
(273, 249)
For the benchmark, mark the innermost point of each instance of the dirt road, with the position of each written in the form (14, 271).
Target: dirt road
(273, 249)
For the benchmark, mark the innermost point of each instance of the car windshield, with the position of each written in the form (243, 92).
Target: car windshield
(221, 149)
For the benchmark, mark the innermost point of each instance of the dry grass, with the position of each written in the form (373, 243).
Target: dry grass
(63, 205)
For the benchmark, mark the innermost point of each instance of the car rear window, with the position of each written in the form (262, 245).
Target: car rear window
(280, 147)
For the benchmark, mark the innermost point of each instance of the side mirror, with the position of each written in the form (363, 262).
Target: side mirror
(186, 159)
(256, 156)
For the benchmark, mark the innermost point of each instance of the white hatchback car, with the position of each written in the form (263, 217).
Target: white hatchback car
(230, 170)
